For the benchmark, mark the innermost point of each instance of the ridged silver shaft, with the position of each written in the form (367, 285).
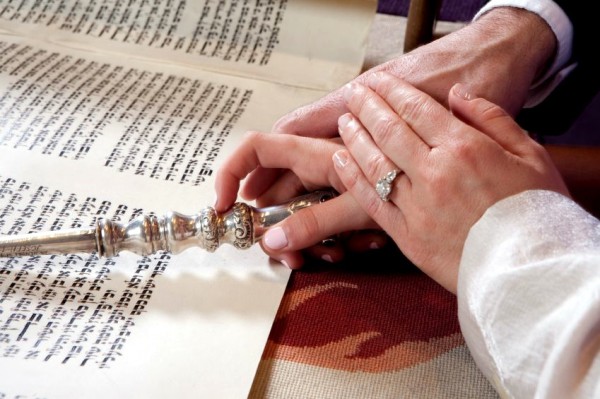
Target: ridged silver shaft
(241, 226)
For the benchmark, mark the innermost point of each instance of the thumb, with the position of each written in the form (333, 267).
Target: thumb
(312, 225)
(488, 118)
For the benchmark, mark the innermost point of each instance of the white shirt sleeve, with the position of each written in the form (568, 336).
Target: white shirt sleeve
(529, 297)
(562, 27)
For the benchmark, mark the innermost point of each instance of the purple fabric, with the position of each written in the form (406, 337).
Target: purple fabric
(585, 130)
(451, 10)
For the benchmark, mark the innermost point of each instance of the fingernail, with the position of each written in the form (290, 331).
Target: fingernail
(286, 264)
(275, 238)
(374, 245)
(462, 91)
(281, 125)
(340, 158)
(327, 258)
(344, 120)
(218, 206)
(348, 91)
(373, 80)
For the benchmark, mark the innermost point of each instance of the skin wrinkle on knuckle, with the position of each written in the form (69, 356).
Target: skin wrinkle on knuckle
(468, 152)
(297, 152)
(375, 165)
(410, 107)
(252, 143)
(489, 111)
(282, 125)
(372, 207)
(307, 225)
(253, 138)
(371, 107)
(349, 177)
(385, 130)
(388, 87)
(358, 102)
(320, 148)
(385, 86)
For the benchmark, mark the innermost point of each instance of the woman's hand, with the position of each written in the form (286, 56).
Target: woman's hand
(453, 166)
(500, 55)
(305, 165)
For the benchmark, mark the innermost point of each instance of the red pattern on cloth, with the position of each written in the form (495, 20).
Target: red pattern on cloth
(374, 312)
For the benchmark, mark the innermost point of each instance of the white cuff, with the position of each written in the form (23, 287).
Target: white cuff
(562, 27)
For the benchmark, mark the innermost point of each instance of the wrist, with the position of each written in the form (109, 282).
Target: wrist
(522, 36)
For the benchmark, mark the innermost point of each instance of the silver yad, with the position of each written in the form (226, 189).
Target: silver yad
(241, 226)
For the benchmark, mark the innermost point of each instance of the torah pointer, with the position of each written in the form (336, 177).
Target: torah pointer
(241, 226)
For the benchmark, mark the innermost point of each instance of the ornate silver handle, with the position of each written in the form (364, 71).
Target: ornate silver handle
(241, 226)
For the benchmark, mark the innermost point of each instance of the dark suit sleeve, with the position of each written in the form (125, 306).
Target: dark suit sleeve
(558, 112)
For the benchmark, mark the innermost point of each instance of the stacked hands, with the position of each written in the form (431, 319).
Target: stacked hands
(452, 166)
(453, 151)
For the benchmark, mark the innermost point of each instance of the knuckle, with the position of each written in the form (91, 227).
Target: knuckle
(388, 82)
(350, 178)
(287, 123)
(385, 129)
(489, 111)
(251, 135)
(282, 125)
(352, 138)
(466, 151)
(374, 165)
(252, 138)
(411, 106)
(304, 228)
(361, 103)
(372, 207)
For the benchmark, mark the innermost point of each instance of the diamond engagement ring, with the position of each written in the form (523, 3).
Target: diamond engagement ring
(384, 185)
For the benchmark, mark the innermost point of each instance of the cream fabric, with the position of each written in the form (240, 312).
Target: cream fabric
(529, 297)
